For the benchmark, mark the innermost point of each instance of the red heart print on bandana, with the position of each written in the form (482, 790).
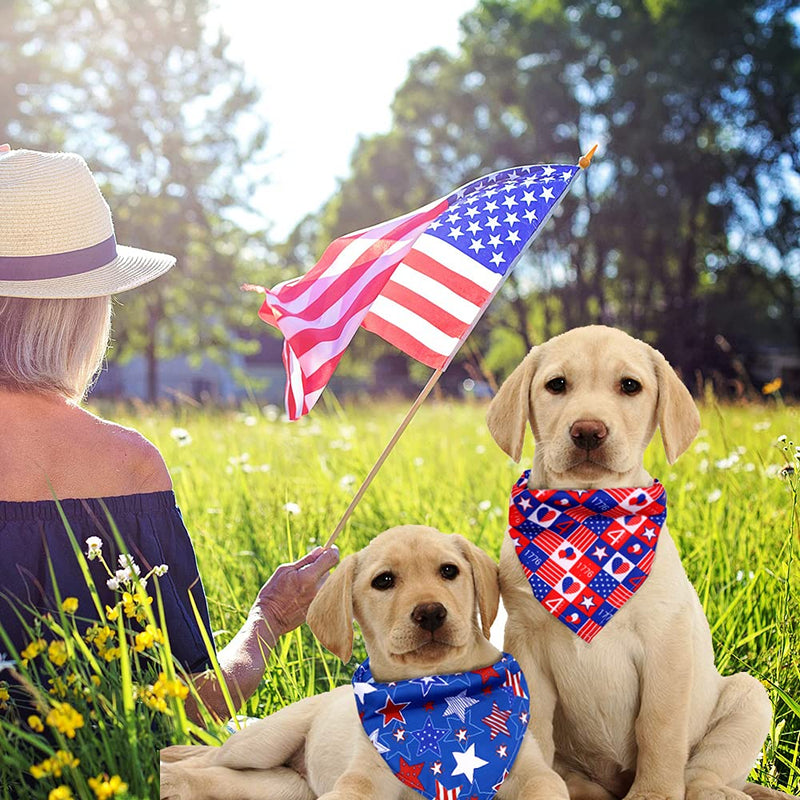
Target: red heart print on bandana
(586, 553)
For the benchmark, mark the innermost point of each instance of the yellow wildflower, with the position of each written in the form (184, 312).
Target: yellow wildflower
(772, 387)
(105, 787)
(102, 637)
(55, 765)
(4, 695)
(65, 719)
(112, 613)
(70, 605)
(59, 688)
(35, 723)
(57, 652)
(148, 637)
(32, 650)
(135, 605)
(155, 696)
(60, 793)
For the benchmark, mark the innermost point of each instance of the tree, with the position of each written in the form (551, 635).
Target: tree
(697, 104)
(146, 93)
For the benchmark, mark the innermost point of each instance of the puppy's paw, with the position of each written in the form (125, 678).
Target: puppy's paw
(695, 791)
(173, 783)
(180, 752)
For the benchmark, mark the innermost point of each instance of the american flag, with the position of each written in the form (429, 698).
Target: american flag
(420, 281)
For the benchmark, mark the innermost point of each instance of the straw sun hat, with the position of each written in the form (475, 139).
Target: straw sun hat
(56, 235)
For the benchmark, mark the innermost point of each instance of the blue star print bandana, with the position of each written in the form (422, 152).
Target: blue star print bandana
(447, 736)
(585, 553)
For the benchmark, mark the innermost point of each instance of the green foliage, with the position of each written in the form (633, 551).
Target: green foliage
(256, 491)
(146, 93)
(696, 106)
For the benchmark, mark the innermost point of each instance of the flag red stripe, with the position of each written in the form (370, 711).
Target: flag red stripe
(422, 307)
(403, 340)
(304, 340)
(291, 292)
(447, 277)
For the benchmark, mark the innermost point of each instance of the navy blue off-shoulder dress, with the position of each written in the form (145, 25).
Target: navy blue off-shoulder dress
(34, 546)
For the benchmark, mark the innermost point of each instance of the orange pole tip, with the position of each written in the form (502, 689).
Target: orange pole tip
(584, 161)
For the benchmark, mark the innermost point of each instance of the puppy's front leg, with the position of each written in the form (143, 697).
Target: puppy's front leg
(662, 725)
(531, 778)
(365, 777)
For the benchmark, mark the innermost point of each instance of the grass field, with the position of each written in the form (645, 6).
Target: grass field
(256, 491)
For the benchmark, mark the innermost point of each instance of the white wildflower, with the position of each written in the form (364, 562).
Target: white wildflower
(126, 561)
(112, 584)
(160, 569)
(181, 436)
(480, 449)
(782, 438)
(346, 481)
(764, 425)
(291, 508)
(727, 463)
(271, 413)
(714, 496)
(703, 466)
(773, 470)
(702, 447)
(250, 421)
(347, 431)
(419, 461)
(95, 547)
(6, 662)
(485, 505)
(688, 486)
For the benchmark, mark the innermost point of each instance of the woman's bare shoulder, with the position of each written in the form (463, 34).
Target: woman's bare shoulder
(136, 456)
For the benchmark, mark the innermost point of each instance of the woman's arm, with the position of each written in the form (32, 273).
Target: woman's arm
(280, 606)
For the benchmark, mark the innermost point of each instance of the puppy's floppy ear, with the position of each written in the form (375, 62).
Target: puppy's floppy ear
(330, 615)
(486, 579)
(510, 410)
(677, 413)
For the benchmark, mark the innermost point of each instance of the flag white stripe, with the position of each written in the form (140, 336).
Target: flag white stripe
(324, 351)
(435, 292)
(457, 261)
(344, 261)
(414, 325)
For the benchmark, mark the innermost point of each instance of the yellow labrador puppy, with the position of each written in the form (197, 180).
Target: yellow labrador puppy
(640, 711)
(416, 594)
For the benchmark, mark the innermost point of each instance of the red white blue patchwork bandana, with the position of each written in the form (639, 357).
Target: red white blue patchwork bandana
(447, 736)
(585, 553)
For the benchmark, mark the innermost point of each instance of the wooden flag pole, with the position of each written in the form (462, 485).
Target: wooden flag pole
(384, 455)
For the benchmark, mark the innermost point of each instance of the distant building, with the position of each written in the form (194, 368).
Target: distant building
(208, 381)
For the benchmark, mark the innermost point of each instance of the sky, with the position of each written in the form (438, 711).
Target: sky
(328, 72)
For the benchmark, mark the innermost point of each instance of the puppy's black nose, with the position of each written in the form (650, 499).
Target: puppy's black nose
(429, 616)
(588, 434)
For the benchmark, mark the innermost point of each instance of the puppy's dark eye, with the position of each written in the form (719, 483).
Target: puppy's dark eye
(383, 581)
(556, 385)
(630, 386)
(448, 571)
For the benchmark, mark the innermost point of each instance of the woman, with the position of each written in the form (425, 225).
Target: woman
(59, 266)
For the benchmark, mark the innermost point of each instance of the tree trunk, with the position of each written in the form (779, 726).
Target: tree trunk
(153, 318)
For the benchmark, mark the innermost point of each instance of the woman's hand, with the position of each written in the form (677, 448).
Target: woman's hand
(284, 599)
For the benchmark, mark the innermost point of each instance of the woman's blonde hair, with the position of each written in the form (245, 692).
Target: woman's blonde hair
(53, 345)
